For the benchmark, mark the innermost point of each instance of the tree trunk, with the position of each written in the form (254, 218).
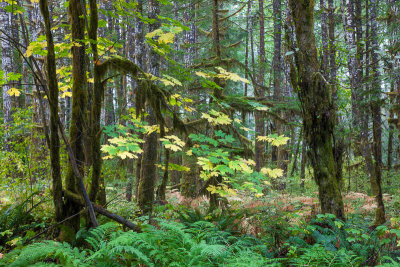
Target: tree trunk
(97, 189)
(324, 38)
(376, 181)
(317, 107)
(53, 101)
(259, 92)
(148, 174)
(303, 163)
(7, 67)
(79, 99)
(139, 59)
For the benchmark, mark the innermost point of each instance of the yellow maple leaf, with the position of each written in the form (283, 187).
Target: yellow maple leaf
(202, 74)
(166, 38)
(66, 94)
(154, 33)
(14, 92)
(275, 173)
(126, 154)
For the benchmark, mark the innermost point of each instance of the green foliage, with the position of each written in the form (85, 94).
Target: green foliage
(168, 244)
(15, 220)
(224, 220)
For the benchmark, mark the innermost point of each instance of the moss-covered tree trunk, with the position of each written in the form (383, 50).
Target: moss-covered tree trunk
(139, 58)
(317, 108)
(97, 185)
(148, 174)
(79, 99)
(53, 101)
(376, 180)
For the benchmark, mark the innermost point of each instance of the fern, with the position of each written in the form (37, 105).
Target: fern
(50, 250)
(14, 218)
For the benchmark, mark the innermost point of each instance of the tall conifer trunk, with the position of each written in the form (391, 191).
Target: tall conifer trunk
(259, 91)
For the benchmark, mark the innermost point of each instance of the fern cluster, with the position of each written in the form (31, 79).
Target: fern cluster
(167, 244)
(15, 219)
(325, 241)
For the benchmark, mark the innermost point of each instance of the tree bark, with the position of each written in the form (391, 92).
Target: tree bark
(78, 114)
(148, 174)
(259, 92)
(317, 108)
(376, 180)
(7, 67)
(53, 99)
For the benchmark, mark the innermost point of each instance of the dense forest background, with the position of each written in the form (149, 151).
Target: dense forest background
(200, 133)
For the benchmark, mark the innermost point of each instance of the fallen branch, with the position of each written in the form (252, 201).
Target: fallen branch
(99, 209)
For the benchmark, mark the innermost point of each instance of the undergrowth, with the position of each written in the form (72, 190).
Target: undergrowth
(324, 241)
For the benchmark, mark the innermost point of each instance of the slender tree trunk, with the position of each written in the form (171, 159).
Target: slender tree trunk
(376, 181)
(392, 30)
(97, 189)
(317, 107)
(53, 101)
(303, 163)
(259, 91)
(139, 58)
(296, 153)
(7, 67)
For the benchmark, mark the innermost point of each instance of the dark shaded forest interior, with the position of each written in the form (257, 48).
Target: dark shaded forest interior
(200, 133)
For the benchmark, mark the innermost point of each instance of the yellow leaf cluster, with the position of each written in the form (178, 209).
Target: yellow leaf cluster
(202, 74)
(216, 118)
(150, 129)
(222, 190)
(273, 173)
(126, 154)
(14, 92)
(275, 141)
(66, 94)
(230, 76)
(163, 37)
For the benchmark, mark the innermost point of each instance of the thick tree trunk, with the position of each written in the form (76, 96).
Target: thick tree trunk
(190, 178)
(332, 49)
(317, 107)
(78, 114)
(148, 174)
(324, 38)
